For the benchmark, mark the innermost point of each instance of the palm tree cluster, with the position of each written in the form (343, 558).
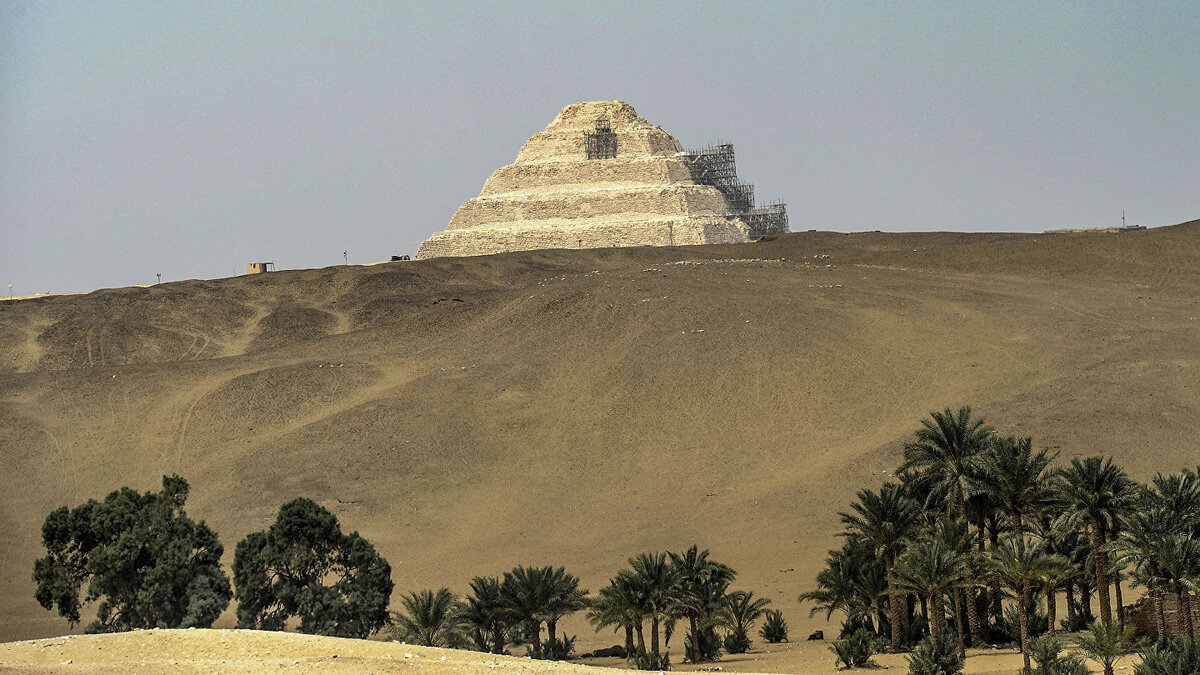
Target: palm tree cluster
(660, 589)
(976, 521)
(497, 612)
(655, 592)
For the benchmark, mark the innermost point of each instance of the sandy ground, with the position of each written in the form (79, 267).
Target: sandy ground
(238, 651)
(578, 407)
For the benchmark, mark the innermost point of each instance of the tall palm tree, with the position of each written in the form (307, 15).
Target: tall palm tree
(1016, 477)
(527, 594)
(1179, 561)
(483, 615)
(428, 619)
(884, 521)
(1142, 534)
(565, 598)
(930, 570)
(947, 447)
(701, 586)
(657, 580)
(1093, 491)
(1019, 566)
(954, 534)
(742, 609)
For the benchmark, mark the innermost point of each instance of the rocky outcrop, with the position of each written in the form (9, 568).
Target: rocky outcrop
(598, 176)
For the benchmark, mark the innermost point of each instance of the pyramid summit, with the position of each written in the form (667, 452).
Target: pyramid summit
(601, 176)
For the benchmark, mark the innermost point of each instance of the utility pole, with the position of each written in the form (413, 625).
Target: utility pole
(159, 275)
(346, 257)
(10, 291)
(1122, 218)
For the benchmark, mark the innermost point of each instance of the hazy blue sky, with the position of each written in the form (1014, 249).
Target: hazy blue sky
(188, 138)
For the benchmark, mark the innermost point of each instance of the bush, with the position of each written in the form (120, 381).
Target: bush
(856, 651)
(774, 629)
(1010, 627)
(1046, 654)
(710, 646)
(1170, 657)
(554, 650)
(148, 564)
(737, 643)
(641, 659)
(936, 657)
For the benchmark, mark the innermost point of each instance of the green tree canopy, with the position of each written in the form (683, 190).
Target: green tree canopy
(148, 564)
(303, 566)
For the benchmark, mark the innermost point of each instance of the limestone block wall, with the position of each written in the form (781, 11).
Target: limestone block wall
(625, 203)
(556, 175)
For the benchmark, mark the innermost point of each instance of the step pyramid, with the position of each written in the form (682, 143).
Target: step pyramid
(601, 176)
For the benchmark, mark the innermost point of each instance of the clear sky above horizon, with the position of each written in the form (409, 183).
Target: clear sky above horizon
(189, 138)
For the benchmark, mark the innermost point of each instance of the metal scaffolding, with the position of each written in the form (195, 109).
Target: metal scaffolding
(715, 166)
(600, 143)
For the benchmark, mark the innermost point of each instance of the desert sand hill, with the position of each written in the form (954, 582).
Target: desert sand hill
(576, 407)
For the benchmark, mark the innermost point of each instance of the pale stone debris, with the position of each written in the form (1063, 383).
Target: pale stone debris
(553, 196)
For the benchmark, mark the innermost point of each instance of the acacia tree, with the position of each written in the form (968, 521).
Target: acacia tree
(282, 572)
(148, 564)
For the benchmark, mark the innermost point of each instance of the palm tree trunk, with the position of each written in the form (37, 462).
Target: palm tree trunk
(535, 631)
(628, 638)
(996, 594)
(925, 613)
(1156, 594)
(552, 629)
(1071, 604)
(958, 624)
(1023, 612)
(640, 636)
(695, 638)
(1120, 601)
(1180, 616)
(1051, 609)
(497, 639)
(1097, 535)
(654, 634)
(889, 559)
(1185, 608)
(939, 615)
(972, 574)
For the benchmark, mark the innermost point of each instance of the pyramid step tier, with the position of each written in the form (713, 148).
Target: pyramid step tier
(550, 176)
(661, 200)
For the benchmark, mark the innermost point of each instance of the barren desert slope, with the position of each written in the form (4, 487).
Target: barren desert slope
(577, 407)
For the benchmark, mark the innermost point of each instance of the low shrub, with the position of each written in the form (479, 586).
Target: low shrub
(936, 657)
(774, 628)
(856, 651)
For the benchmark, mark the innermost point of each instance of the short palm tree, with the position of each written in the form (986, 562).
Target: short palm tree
(701, 585)
(1106, 644)
(742, 609)
(883, 521)
(429, 619)
(1020, 565)
(526, 592)
(483, 615)
(657, 582)
(619, 605)
(844, 585)
(565, 599)
(930, 570)
(1092, 491)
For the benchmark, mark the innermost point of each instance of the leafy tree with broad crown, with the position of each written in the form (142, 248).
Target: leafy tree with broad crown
(281, 573)
(148, 564)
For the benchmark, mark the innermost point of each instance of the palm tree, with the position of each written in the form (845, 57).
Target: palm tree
(657, 581)
(844, 585)
(883, 521)
(483, 615)
(1052, 578)
(701, 587)
(619, 605)
(1179, 560)
(1019, 566)
(742, 609)
(527, 595)
(930, 570)
(1092, 491)
(1016, 477)
(1142, 533)
(947, 448)
(565, 598)
(1106, 644)
(428, 619)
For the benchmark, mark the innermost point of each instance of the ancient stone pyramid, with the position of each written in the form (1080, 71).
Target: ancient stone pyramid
(601, 176)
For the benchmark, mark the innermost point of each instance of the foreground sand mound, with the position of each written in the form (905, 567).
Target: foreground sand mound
(578, 407)
(240, 651)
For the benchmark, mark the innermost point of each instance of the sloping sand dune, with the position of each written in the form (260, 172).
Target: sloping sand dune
(577, 407)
